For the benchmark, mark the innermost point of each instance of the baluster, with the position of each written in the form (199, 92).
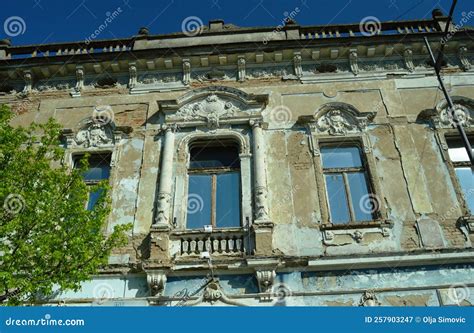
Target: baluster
(208, 245)
(238, 244)
(185, 245)
(223, 245)
(200, 245)
(230, 242)
(193, 246)
(215, 245)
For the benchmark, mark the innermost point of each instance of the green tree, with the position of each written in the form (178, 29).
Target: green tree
(48, 239)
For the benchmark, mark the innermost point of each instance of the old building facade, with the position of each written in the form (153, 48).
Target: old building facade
(306, 165)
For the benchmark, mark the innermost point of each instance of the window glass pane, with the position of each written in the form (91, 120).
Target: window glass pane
(199, 201)
(99, 167)
(93, 197)
(456, 151)
(340, 157)
(361, 202)
(466, 180)
(228, 200)
(339, 211)
(214, 157)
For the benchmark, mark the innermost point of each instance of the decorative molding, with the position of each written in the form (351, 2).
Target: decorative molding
(465, 64)
(132, 81)
(92, 135)
(76, 92)
(27, 77)
(337, 119)
(261, 211)
(297, 64)
(241, 62)
(162, 215)
(213, 106)
(265, 280)
(212, 294)
(368, 298)
(464, 111)
(334, 236)
(408, 59)
(353, 57)
(211, 110)
(186, 71)
(156, 280)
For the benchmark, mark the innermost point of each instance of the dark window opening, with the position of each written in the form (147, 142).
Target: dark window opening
(214, 185)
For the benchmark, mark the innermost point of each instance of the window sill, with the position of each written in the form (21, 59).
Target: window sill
(335, 234)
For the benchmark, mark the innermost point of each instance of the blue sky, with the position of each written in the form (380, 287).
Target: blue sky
(47, 21)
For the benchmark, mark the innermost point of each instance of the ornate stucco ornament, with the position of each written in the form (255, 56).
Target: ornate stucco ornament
(94, 135)
(76, 91)
(211, 109)
(462, 54)
(368, 298)
(265, 280)
(94, 132)
(462, 114)
(408, 59)
(337, 119)
(335, 123)
(156, 280)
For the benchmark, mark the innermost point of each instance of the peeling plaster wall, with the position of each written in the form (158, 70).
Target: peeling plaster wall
(414, 184)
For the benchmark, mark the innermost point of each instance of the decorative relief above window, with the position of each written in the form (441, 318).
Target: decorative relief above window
(338, 119)
(442, 118)
(210, 110)
(91, 133)
(213, 107)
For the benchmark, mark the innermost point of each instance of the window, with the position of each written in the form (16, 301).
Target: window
(99, 169)
(346, 185)
(214, 185)
(462, 167)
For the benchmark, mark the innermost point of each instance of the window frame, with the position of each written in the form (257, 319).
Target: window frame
(361, 140)
(443, 137)
(344, 171)
(213, 172)
(240, 137)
